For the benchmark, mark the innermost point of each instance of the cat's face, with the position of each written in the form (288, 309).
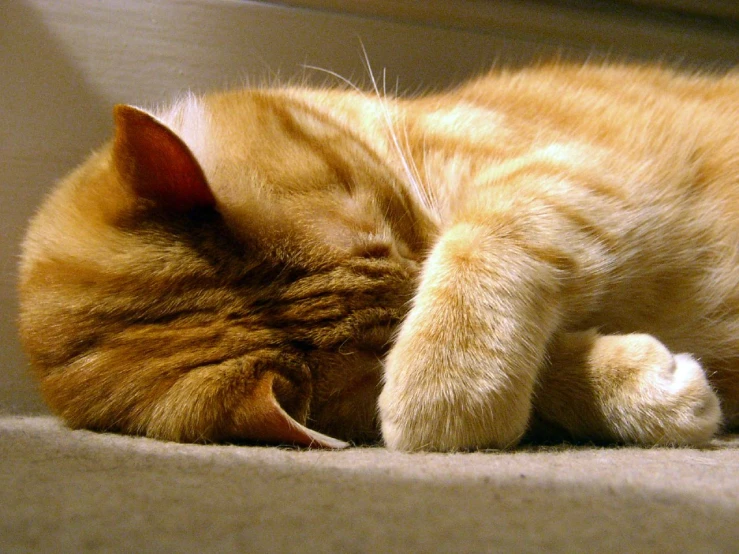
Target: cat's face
(234, 287)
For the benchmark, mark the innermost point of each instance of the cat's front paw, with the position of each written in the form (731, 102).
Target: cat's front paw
(461, 373)
(446, 425)
(662, 399)
(427, 405)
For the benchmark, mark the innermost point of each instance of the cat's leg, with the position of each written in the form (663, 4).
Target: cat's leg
(462, 370)
(626, 388)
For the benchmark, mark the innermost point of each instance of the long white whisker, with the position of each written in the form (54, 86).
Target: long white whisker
(414, 165)
(427, 178)
(335, 75)
(412, 179)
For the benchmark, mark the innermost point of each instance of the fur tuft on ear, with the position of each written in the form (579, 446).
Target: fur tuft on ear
(157, 163)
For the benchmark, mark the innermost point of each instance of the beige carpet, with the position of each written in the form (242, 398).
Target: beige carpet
(77, 491)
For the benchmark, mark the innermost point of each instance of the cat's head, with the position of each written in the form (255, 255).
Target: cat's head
(230, 270)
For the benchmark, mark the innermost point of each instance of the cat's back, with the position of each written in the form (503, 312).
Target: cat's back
(605, 102)
(646, 126)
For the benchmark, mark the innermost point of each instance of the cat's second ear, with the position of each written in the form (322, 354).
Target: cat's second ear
(265, 420)
(156, 163)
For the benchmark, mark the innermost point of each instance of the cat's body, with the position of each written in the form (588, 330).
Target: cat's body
(531, 247)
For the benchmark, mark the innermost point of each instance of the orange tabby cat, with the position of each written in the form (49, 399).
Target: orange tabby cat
(557, 246)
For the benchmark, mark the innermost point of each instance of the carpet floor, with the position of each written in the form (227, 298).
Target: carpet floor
(78, 491)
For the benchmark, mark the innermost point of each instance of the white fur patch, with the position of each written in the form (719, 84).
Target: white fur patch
(189, 118)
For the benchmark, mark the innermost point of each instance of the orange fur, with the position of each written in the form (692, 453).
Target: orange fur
(237, 267)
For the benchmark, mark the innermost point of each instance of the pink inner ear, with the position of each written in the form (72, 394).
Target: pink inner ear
(157, 163)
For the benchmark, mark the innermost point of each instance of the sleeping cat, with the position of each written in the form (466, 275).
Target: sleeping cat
(556, 247)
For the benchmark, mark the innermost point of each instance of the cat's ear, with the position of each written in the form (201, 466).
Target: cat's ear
(267, 421)
(157, 163)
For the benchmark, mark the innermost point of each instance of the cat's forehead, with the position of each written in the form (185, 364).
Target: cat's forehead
(250, 136)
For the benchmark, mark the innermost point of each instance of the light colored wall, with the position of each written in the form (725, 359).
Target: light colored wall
(697, 31)
(63, 64)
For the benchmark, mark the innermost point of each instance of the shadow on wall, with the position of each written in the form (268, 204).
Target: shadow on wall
(51, 119)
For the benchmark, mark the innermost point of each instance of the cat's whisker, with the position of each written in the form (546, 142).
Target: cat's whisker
(417, 188)
(407, 162)
(338, 76)
(423, 183)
